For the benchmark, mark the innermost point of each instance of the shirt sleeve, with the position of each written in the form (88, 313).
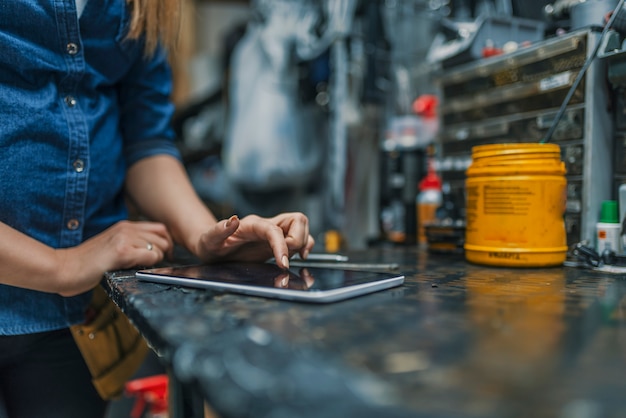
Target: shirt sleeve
(146, 109)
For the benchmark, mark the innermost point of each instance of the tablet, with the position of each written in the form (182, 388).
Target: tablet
(309, 284)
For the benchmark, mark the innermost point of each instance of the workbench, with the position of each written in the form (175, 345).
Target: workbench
(456, 340)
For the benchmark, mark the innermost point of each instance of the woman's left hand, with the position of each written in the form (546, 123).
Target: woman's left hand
(254, 238)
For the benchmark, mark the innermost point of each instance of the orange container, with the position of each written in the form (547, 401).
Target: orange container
(515, 200)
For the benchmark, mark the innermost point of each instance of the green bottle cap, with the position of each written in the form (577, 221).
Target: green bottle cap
(609, 213)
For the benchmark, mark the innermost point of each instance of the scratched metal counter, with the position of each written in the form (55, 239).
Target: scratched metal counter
(456, 340)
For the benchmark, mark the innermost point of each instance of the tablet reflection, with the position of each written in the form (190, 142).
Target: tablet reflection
(256, 274)
(290, 280)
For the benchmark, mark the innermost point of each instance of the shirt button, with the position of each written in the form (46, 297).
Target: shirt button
(70, 101)
(73, 224)
(71, 48)
(79, 166)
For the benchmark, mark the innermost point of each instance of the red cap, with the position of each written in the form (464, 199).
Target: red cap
(431, 181)
(426, 105)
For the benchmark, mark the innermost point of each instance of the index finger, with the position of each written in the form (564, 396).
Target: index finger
(276, 240)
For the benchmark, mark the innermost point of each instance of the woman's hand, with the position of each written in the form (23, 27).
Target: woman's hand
(30, 264)
(254, 238)
(124, 245)
(161, 190)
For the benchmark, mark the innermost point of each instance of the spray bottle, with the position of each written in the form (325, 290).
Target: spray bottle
(429, 199)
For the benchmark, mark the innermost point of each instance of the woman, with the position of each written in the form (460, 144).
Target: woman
(84, 126)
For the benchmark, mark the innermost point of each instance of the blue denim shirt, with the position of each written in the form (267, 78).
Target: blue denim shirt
(78, 105)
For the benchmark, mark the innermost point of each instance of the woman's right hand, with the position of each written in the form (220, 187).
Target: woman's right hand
(30, 264)
(124, 245)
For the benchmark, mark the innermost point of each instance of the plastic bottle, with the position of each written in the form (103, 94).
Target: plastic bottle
(428, 200)
(609, 228)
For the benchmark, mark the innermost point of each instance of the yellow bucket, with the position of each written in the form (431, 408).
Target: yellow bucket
(515, 201)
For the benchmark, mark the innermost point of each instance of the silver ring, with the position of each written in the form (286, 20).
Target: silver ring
(149, 246)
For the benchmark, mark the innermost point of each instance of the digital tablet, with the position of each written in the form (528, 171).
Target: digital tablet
(310, 284)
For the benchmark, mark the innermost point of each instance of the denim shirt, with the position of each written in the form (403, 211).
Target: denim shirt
(78, 105)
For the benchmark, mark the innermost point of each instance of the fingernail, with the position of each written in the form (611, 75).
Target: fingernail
(230, 220)
(284, 281)
(285, 261)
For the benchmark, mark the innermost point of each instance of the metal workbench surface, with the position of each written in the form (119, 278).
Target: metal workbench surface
(456, 340)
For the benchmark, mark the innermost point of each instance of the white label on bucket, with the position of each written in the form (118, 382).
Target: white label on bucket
(555, 81)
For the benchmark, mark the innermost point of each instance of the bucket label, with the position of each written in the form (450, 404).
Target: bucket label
(504, 255)
(520, 213)
(507, 200)
(515, 200)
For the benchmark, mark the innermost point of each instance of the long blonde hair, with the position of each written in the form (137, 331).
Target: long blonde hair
(157, 20)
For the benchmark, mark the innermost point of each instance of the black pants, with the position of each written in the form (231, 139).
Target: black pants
(44, 375)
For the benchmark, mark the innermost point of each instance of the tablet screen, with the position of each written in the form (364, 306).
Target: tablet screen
(267, 279)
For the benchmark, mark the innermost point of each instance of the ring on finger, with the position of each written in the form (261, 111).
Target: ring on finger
(149, 246)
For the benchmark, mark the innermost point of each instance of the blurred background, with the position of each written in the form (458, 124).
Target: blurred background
(339, 108)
